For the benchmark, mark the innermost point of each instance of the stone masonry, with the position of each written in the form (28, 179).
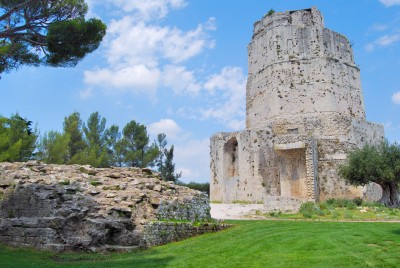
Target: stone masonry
(304, 112)
(59, 207)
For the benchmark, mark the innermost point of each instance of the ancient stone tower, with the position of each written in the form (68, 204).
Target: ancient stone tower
(304, 111)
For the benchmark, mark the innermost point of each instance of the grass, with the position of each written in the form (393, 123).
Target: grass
(340, 210)
(249, 244)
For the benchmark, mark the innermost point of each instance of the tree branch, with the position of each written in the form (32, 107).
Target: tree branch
(12, 10)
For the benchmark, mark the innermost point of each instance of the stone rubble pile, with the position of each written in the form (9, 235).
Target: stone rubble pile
(78, 207)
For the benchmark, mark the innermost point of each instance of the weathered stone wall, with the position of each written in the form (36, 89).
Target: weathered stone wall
(79, 207)
(298, 66)
(160, 233)
(305, 111)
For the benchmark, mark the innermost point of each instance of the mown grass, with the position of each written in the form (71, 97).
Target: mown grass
(248, 244)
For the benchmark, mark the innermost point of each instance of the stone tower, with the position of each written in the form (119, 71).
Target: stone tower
(304, 111)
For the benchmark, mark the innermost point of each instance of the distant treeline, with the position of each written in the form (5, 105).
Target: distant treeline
(203, 187)
(89, 142)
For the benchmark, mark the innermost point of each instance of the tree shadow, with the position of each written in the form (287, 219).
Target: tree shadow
(397, 232)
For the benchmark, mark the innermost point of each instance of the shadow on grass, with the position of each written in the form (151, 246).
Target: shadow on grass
(145, 258)
(397, 232)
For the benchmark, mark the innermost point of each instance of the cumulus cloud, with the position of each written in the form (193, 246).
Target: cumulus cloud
(180, 79)
(137, 78)
(383, 41)
(389, 3)
(231, 84)
(396, 98)
(167, 126)
(141, 55)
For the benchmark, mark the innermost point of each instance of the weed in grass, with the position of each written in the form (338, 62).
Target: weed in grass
(275, 213)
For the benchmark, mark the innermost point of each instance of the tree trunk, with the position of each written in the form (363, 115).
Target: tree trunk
(394, 195)
(385, 199)
(390, 194)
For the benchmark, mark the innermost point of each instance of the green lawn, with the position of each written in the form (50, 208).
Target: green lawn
(249, 244)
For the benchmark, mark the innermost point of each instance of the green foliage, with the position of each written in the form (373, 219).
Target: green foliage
(89, 143)
(71, 40)
(164, 160)
(73, 128)
(95, 183)
(116, 147)
(138, 151)
(49, 32)
(270, 12)
(203, 187)
(308, 209)
(53, 148)
(17, 139)
(379, 164)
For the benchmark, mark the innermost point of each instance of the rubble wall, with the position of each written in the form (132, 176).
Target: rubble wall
(75, 207)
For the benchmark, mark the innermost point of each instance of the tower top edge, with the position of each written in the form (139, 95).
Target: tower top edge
(301, 18)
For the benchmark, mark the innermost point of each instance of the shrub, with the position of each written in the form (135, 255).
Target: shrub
(358, 201)
(308, 209)
(351, 205)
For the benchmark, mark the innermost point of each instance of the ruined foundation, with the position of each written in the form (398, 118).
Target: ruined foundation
(304, 112)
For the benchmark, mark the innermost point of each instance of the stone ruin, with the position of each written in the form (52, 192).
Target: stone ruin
(304, 112)
(58, 207)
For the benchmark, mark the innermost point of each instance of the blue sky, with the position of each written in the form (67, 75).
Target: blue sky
(180, 67)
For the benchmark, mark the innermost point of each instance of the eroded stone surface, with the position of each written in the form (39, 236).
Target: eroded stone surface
(304, 112)
(79, 207)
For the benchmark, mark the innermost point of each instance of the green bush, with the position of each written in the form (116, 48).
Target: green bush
(358, 201)
(308, 209)
(351, 205)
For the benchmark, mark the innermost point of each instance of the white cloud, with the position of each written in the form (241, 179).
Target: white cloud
(232, 84)
(378, 27)
(139, 56)
(86, 93)
(167, 126)
(193, 160)
(137, 78)
(148, 9)
(389, 3)
(180, 80)
(383, 41)
(396, 98)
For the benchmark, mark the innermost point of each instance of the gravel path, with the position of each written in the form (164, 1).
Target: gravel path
(236, 211)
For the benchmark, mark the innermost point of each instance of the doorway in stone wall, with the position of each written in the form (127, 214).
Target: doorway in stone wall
(231, 158)
(293, 173)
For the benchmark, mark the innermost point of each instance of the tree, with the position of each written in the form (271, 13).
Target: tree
(164, 160)
(17, 139)
(138, 151)
(96, 150)
(168, 169)
(53, 148)
(161, 144)
(379, 164)
(49, 32)
(73, 128)
(116, 146)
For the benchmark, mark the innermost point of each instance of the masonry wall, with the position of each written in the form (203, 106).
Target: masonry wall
(304, 112)
(296, 66)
